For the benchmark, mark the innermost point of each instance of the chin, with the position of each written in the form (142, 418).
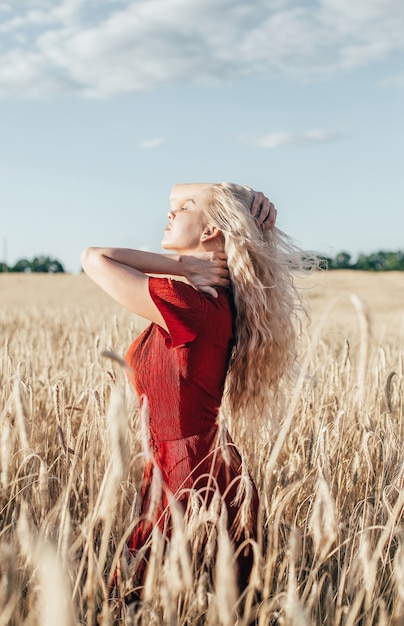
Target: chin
(165, 245)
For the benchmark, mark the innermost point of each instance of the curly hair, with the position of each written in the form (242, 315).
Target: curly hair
(262, 265)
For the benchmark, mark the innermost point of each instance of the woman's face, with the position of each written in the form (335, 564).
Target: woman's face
(186, 224)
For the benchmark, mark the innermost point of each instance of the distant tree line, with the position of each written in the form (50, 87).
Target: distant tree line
(375, 262)
(43, 264)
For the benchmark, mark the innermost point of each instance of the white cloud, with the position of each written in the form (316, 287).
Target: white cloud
(285, 138)
(42, 14)
(102, 49)
(147, 144)
(26, 73)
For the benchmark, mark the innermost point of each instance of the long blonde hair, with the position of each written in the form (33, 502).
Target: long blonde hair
(262, 265)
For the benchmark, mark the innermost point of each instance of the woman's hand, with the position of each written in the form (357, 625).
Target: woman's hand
(206, 270)
(264, 211)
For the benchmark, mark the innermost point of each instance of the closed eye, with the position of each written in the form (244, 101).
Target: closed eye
(187, 202)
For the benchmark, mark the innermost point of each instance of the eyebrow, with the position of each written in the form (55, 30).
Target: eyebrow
(190, 200)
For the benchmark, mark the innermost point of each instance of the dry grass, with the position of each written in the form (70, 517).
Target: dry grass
(331, 478)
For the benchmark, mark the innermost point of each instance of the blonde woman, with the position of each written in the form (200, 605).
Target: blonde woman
(222, 338)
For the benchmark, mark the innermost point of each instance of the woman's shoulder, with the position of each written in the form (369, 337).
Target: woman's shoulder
(182, 293)
(189, 312)
(183, 308)
(172, 289)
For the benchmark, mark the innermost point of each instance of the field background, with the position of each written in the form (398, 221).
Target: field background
(382, 292)
(331, 475)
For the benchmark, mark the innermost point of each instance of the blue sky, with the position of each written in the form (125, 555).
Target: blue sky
(104, 104)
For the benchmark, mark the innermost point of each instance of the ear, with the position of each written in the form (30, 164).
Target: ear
(210, 232)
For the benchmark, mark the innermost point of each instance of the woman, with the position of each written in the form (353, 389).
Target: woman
(221, 339)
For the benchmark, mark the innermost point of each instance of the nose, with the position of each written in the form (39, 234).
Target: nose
(171, 215)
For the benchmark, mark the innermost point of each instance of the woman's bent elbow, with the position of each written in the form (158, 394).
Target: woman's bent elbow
(87, 256)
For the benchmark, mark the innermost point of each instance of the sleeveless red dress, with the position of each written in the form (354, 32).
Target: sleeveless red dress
(182, 373)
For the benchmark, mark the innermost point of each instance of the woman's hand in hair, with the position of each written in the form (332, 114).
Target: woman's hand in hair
(206, 270)
(264, 211)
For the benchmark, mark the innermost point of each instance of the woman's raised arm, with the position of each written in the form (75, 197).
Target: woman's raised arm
(123, 274)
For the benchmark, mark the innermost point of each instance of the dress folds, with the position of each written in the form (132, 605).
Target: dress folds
(180, 374)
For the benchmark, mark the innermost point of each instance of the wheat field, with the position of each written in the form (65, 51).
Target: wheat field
(331, 475)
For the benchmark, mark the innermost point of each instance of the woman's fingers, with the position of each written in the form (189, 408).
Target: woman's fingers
(264, 211)
(219, 257)
(206, 271)
(222, 276)
(219, 261)
(210, 291)
(256, 205)
(269, 221)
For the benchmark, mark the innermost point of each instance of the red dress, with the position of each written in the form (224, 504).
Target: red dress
(182, 374)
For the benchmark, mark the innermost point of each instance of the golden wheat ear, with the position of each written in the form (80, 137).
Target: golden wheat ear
(330, 554)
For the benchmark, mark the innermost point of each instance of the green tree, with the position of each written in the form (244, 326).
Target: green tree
(46, 264)
(38, 264)
(342, 261)
(381, 261)
(23, 265)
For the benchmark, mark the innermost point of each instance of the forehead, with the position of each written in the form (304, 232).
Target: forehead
(200, 199)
